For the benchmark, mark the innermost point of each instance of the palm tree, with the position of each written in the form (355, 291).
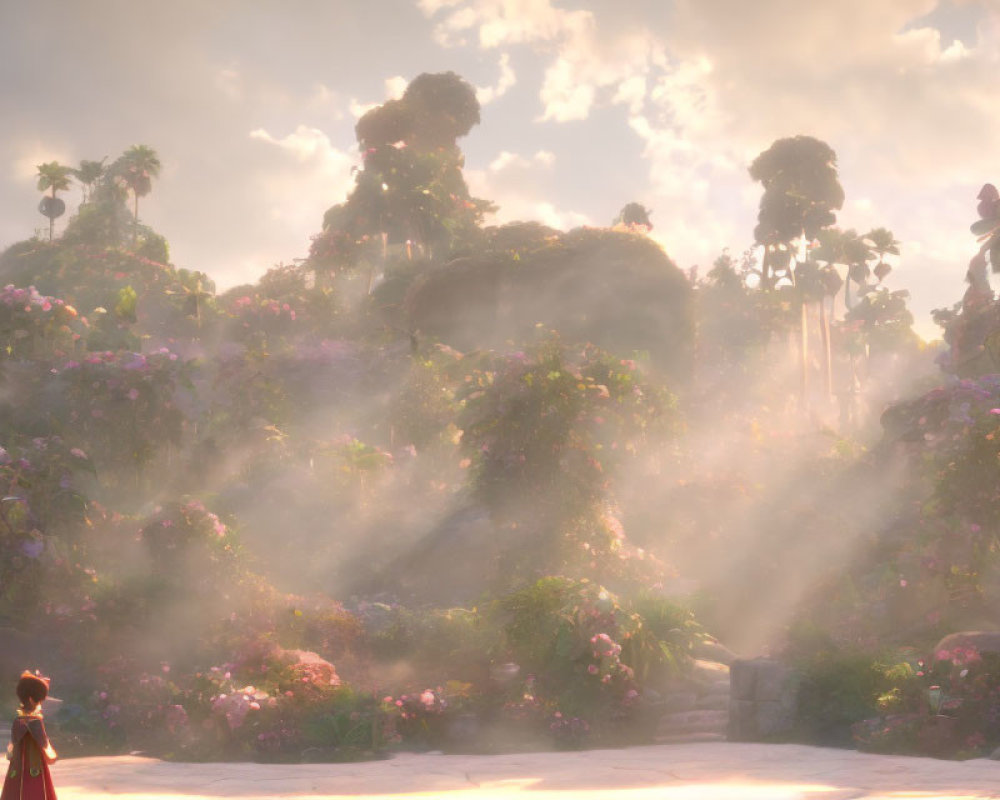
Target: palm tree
(54, 176)
(137, 167)
(881, 243)
(857, 255)
(89, 173)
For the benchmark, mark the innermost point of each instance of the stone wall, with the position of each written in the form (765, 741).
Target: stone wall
(763, 699)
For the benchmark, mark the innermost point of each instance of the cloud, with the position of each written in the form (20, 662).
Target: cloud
(507, 79)
(359, 109)
(632, 93)
(505, 160)
(664, 102)
(316, 175)
(520, 186)
(395, 87)
(587, 59)
(500, 23)
(564, 96)
(309, 145)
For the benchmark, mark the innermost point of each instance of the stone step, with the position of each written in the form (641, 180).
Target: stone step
(718, 687)
(686, 738)
(711, 649)
(697, 721)
(713, 702)
(680, 701)
(709, 672)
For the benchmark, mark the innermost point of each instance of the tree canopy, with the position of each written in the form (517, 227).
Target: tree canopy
(801, 189)
(411, 187)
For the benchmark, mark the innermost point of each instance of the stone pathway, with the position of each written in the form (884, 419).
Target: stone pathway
(707, 771)
(697, 710)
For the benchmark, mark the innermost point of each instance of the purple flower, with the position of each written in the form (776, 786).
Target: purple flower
(32, 548)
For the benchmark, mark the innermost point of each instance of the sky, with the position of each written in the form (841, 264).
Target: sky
(586, 106)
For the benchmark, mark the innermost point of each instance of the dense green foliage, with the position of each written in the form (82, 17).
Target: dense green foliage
(442, 485)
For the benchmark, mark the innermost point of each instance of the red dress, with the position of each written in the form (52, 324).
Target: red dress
(29, 751)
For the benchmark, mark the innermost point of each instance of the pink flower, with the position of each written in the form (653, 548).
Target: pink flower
(133, 394)
(592, 669)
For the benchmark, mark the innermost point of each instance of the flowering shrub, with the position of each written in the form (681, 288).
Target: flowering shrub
(933, 564)
(948, 706)
(543, 435)
(41, 507)
(568, 732)
(121, 407)
(551, 427)
(156, 387)
(33, 325)
(285, 310)
(166, 303)
(589, 655)
(418, 718)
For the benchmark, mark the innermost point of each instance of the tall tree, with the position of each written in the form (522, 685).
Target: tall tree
(801, 193)
(88, 174)
(137, 167)
(55, 177)
(410, 190)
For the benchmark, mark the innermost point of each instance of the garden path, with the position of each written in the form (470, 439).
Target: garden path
(691, 771)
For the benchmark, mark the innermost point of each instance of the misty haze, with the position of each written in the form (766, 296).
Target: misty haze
(491, 378)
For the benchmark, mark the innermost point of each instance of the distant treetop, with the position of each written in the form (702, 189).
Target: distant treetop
(435, 110)
(801, 189)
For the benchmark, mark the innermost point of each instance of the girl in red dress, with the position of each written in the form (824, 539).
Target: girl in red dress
(29, 751)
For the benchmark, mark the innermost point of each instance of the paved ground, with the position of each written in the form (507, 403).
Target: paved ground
(711, 771)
